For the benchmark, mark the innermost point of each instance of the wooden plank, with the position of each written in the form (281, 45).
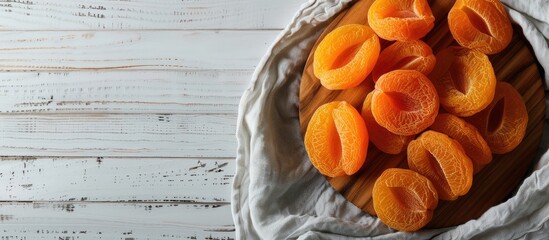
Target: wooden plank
(116, 179)
(98, 50)
(131, 135)
(146, 14)
(52, 220)
(121, 91)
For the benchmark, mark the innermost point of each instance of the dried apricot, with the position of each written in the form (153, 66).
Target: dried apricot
(503, 123)
(384, 140)
(404, 199)
(467, 135)
(401, 20)
(482, 25)
(337, 139)
(412, 55)
(464, 79)
(346, 56)
(404, 102)
(443, 161)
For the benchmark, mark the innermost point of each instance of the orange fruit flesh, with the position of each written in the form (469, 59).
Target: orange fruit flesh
(413, 55)
(503, 123)
(480, 25)
(336, 139)
(464, 79)
(443, 161)
(384, 140)
(404, 102)
(401, 20)
(404, 199)
(467, 135)
(346, 56)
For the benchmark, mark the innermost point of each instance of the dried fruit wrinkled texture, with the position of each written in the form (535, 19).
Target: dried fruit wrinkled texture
(503, 123)
(467, 135)
(404, 199)
(482, 25)
(337, 139)
(346, 56)
(384, 140)
(443, 161)
(401, 20)
(404, 102)
(444, 147)
(412, 55)
(465, 80)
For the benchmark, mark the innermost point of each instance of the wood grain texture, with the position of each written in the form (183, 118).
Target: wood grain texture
(131, 135)
(493, 184)
(116, 179)
(53, 220)
(145, 14)
(140, 50)
(120, 91)
(135, 102)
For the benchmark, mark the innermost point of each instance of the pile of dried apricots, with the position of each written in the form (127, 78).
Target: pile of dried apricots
(447, 112)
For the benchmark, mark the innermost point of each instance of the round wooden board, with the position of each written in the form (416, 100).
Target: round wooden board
(495, 182)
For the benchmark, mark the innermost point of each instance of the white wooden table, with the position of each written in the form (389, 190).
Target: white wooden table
(118, 117)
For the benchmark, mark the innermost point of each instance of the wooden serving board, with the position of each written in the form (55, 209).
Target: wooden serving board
(495, 182)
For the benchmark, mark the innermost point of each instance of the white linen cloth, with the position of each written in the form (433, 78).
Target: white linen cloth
(278, 194)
